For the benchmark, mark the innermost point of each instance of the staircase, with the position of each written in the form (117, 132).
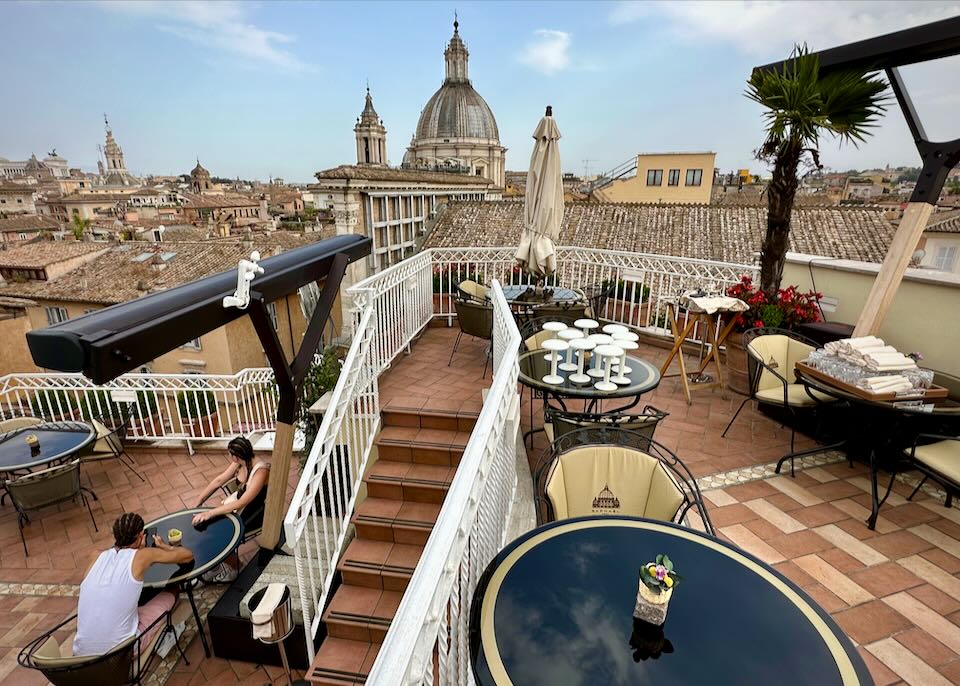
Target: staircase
(418, 453)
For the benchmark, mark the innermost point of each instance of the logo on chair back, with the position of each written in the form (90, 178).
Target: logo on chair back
(773, 364)
(606, 500)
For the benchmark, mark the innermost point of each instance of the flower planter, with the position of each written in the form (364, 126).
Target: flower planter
(652, 606)
(203, 427)
(738, 378)
(632, 313)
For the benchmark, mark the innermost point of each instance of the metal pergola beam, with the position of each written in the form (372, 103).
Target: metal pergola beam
(115, 340)
(888, 53)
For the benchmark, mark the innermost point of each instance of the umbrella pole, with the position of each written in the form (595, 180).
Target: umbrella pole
(894, 266)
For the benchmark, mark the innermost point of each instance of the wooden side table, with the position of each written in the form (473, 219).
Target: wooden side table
(711, 338)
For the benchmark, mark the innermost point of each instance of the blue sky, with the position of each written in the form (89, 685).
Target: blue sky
(259, 89)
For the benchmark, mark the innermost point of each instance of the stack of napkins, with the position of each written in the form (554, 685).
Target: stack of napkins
(851, 345)
(892, 383)
(870, 352)
(888, 362)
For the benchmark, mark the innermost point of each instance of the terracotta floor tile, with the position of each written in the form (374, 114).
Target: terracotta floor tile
(798, 544)
(927, 619)
(924, 646)
(790, 570)
(884, 579)
(871, 621)
(882, 676)
(731, 514)
(819, 515)
(749, 541)
(943, 559)
(905, 663)
(937, 538)
(842, 560)
(836, 581)
(780, 519)
(826, 598)
(899, 544)
(909, 514)
(933, 574)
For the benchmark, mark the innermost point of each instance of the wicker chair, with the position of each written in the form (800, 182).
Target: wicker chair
(43, 488)
(18, 423)
(772, 355)
(111, 441)
(613, 471)
(471, 290)
(127, 663)
(561, 312)
(558, 423)
(252, 514)
(475, 320)
(597, 295)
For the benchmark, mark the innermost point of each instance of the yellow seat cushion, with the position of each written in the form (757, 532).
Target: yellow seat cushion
(780, 352)
(942, 457)
(797, 395)
(612, 480)
(535, 342)
(473, 289)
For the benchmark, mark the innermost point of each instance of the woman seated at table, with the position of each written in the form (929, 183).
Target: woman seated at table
(251, 476)
(108, 612)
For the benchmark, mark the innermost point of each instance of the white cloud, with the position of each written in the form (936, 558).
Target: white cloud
(222, 26)
(547, 51)
(764, 28)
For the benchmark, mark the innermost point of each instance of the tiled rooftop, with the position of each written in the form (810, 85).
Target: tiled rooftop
(709, 232)
(895, 591)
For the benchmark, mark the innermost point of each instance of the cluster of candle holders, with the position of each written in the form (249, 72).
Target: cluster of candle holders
(608, 351)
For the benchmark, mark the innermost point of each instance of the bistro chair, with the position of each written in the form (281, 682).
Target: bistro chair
(597, 295)
(18, 423)
(46, 487)
(474, 319)
(112, 441)
(558, 423)
(937, 457)
(614, 471)
(772, 356)
(252, 514)
(561, 312)
(127, 663)
(472, 290)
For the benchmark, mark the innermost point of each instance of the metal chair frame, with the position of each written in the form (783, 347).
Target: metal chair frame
(128, 657)
(755, 369)
(650, 417)
(116, 440)
(474, 319)
(950, 487)
(606, 436)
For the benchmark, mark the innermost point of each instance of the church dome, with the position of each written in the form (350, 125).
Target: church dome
(199, 170)
(457, 111)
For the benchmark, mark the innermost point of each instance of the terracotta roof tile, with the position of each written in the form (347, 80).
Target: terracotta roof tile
(944, 222)
(711, 232)
(214, 201)
(28, 222)
(43, 253)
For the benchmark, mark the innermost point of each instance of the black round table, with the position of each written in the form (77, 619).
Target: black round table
(643, 377)
(211, 543)
(880, 430)
(58, 441)
(527, 295)
(555, 608)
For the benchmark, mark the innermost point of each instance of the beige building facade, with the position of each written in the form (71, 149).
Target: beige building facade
(665, 178)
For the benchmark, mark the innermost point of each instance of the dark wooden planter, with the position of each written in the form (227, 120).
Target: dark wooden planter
(738, 379)
(204, 427)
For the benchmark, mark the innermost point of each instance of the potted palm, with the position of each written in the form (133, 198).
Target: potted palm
(802, 104)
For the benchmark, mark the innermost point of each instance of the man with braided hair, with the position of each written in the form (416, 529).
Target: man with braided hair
(108, 611)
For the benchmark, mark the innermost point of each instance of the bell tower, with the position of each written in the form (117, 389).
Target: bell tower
(371, 136)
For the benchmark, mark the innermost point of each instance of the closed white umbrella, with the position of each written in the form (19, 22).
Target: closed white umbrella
(543, 201)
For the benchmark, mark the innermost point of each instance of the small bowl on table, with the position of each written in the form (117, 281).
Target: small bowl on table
(174, 537)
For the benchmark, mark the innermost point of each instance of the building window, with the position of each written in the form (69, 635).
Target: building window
(946, 258)
(673, 178)
(55, 315)
(694, 177)
(192, 345)
(22, 236)
(272, 313)
(654, 177)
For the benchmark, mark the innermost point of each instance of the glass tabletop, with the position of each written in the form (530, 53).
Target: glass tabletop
(527, 294)
(211, 543)
(643, 377)
(57, 440)
(555, 608)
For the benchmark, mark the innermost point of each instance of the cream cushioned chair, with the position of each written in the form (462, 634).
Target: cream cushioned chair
(939, 461)
(18, 423)
(473, 289)
(772, 356)
(613, 471)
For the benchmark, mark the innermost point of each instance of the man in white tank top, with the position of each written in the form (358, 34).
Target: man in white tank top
(108, 612)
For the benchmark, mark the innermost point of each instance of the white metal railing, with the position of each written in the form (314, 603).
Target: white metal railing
(401, 298)
(428, 638)
(318, 519)
(195, 407)
(642, 283)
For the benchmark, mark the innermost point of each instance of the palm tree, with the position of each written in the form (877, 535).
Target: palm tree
(80, 227)
(802, 104)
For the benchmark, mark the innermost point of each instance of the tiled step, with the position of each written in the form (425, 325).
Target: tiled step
(358, 613)
(382, 519)
(379, 564)
(341, 662)
(411, 417)
(420, 483)
(422, 446)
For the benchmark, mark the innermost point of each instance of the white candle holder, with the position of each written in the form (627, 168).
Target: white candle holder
(554, 328)
(611, 329)
(569, 335)
(598, 339)
(582, 346)
(608, 353)
(622, 368)
(586, 325)
(555, 345)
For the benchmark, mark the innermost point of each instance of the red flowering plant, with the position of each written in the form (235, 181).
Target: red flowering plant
(790, 308)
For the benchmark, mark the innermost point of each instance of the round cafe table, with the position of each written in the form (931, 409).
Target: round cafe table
(58, 441)
(527, 295)
(555, 608)
(211, 543)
